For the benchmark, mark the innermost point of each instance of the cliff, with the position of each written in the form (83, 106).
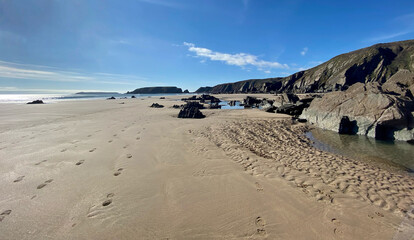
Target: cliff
(155, 90)
(377, 63)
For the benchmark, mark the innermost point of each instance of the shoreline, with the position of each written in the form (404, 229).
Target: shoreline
(101, 169)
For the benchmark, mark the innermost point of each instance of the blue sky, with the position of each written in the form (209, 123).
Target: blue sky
(58, 46)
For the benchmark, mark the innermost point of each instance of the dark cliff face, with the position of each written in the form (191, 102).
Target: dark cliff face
(373, 64)
(155, 90)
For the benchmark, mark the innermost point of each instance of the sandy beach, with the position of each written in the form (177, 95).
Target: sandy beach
(117, 169)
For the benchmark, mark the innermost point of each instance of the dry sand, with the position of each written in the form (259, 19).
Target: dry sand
(105, 170)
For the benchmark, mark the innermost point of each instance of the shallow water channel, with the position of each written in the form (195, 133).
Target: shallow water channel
(391, 155)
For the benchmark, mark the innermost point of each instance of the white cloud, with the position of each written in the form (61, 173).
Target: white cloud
(238, 59)
(304, 51)
(268, 71)
(10, 70)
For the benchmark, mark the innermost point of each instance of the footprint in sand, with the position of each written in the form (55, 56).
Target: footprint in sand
(80, 162)
(118, 172)
(92, 150)
(4, 214)
(18, 179)
(337, 223)
(129, 155)
(259, 187)
(63, 150)
(97, 209)
(138, 138)
(40, 162)
(42, 185)
(110, 141)
(125, 146)
(115, 135)
(89, 135)
(260, 224)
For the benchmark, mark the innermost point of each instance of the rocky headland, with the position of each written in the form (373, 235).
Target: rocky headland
(155, 90)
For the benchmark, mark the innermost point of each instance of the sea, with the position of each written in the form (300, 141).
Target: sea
(53, 98)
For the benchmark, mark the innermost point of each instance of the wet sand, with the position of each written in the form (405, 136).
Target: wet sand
(117, 169)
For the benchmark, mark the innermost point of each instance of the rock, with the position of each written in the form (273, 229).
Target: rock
(36, 102)
(291, 109)
(133, 96)
(176, 106)
(162, 97)
(111, 98)
(190, 111)
(376, 113)
(156, 105)
(401, 83)
(186, 91)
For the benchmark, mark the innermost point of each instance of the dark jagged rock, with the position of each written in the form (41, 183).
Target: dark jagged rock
(156, 105)
(186, 91)
(133, 96)
(190, 111)
(155, 90)
(36, 102)
(162, 97)
(111, 98)
(176, 106)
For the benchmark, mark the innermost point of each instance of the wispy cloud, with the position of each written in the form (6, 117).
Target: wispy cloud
(304, 51)
(10, 70)
(387, 36)
(238, 59)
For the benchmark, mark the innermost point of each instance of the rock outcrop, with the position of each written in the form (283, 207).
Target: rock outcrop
(364, 109)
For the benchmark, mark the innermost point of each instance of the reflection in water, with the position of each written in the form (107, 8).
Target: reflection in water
(383, 153)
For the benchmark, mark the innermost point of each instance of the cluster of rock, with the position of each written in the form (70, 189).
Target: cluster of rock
(382, 112)
(285, 103)
(156, 105)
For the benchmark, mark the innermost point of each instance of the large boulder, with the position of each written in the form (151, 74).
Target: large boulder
(369, 111)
